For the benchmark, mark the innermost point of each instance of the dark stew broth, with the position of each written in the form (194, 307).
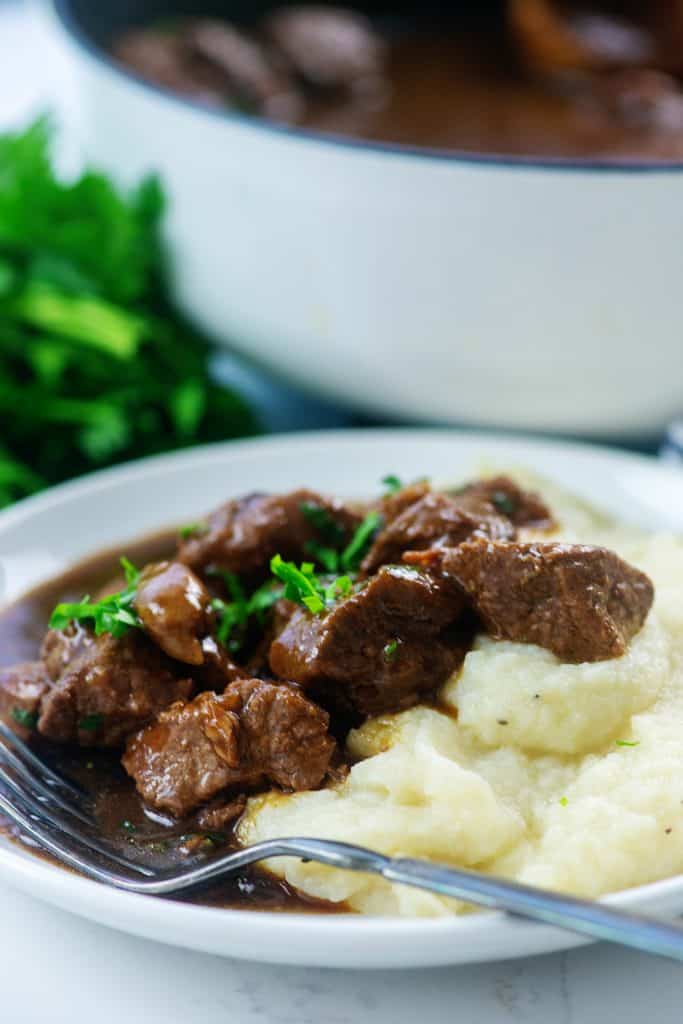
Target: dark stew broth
(525, 78)
(123, 820)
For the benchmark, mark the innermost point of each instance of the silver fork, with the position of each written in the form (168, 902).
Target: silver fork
(59, 817)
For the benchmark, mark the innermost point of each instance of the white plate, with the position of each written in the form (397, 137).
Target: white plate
(42, 535)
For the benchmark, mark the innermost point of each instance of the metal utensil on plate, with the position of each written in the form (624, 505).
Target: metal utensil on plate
(59, 817)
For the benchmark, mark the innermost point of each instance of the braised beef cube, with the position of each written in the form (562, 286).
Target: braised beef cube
(583, 603)
(255, 733)
(174, 607)
(243, 535)
(218, 669)
(61, 647)
(391, 505)
(220, 815)
(379, 649)
(329, 47)
(22, 687)
(105, 687)
(523, 508)
(279, 616)
(434, 520)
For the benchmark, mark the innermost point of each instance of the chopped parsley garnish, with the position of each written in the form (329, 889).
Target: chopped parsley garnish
(323, 522)
(627, 743)
(193, 530)
(113, 614)
(233, 616)
(353, 554)
(327, 554)
(503, 503)
(392, 483)
(28, 719)
(91, 723)
(305, 588)
(390, 651)
(328, 558)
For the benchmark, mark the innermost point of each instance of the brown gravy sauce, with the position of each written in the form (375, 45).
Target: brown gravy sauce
(462, 91)
(458, 84)
(120, 813)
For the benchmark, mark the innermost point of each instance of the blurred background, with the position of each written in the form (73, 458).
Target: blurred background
(252, 218)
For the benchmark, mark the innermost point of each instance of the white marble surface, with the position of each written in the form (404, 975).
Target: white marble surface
(56, 969)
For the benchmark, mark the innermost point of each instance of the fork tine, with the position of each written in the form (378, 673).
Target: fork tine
(35, 784)
(55, 782)
(73, 849)
(39, 812)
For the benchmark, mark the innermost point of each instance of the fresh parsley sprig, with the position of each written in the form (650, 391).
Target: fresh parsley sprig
(328, 552)
(393, 483)
(234, 615)
(114, 614)
(353, 554)
(305, 588)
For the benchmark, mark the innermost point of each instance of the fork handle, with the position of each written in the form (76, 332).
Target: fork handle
(585, 917)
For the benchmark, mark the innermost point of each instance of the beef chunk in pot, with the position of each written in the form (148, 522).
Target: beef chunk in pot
(583, 603)
(377, 650)
(22, 687)
(252, 79)
(254, 733)
(104, 687)
(243, 535)
(328, 47)
(523, 508)
(435, 519)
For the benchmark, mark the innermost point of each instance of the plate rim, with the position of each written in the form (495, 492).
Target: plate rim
(333, 932)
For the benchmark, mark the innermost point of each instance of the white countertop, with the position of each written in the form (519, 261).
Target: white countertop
(55, 968)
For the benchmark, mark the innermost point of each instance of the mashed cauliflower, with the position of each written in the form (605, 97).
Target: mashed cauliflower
(565, 776)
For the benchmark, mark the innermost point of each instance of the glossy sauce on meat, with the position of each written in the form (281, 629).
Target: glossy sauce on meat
(120, 812)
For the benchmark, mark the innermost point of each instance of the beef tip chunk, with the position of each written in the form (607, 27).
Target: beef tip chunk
(523, 508)
(217, 669)
(104, 687)
(433, 520)
(328, 47)
(174, 607)
(280, 614)
(243, 535)
(255, 733)
(582, 603)
(391, 505)
(220, 815)
(22, 687)
(377, 650)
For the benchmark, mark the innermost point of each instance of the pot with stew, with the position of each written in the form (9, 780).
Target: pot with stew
(456, 212)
